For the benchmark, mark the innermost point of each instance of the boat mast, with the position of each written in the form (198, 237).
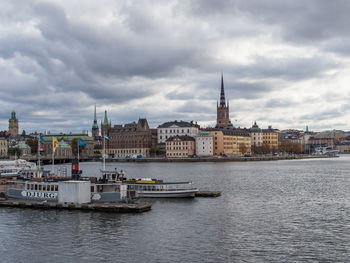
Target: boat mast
(38, 154)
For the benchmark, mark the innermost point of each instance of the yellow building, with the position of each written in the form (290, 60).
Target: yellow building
(270, 138)
(229, 142)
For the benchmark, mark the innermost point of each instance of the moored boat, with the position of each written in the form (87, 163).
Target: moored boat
(153, 188)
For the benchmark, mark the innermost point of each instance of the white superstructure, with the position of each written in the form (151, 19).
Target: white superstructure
(180, 128)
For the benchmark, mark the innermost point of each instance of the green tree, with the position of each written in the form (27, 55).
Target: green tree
(14, 151)
(154, 151)
(23, 133)
(33, 144)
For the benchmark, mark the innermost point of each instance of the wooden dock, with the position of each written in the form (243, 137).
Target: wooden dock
(101, 207)
(208, 194)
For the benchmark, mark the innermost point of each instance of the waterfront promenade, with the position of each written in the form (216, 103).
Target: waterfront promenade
(48, 160)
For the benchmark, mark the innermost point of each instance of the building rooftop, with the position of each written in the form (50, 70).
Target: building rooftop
(182, 138)
(179, 124)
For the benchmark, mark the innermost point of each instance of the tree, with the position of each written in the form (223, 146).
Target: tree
(33, 144)
(15, 151)
(242, 148)
(23, 133)
(154, 151)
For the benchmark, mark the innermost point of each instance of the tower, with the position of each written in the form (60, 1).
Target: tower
(95, 130)
(222, 109)
(13, 125)
(105, 126)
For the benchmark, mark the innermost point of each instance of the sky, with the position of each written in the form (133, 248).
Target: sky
(285, 63)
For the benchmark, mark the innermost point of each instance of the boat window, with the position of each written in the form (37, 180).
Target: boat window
(92, 189)
(36, 187)
(56, 188)
(52, 188)
(39, 187)
(44, 187)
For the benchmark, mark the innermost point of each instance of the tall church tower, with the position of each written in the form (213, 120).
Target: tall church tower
(13, 125)
(95, 130)
(222, 109)
(105, 126)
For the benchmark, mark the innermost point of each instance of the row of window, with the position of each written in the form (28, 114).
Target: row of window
(40, 187)
(175, 131)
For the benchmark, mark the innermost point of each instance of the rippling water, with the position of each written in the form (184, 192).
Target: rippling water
(280, 211)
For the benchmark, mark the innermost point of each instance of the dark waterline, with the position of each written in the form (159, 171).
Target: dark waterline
(280, 211)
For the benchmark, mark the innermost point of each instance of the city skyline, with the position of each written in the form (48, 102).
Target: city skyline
(284, 64)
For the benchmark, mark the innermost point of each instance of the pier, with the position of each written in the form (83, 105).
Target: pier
(208, 194)
(100, 207)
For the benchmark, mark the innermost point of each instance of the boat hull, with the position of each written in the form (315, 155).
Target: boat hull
(167, 194)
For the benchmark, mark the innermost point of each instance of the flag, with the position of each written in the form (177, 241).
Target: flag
(54, 143)
(41, 139)
(41, 147)
(106, 138)
(81, 143)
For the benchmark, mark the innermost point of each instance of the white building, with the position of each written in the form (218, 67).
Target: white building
(256, 135)
(204, 144)
(174, 128)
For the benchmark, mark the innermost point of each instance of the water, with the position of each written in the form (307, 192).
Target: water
(284, 211)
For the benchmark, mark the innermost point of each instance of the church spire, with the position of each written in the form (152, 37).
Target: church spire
(95, 119)
(105, 121)
(222, 93)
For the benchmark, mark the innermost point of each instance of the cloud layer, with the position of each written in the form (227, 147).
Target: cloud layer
(285, 64)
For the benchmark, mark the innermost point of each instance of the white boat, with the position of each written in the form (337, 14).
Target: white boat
(13, 168)
(153, 188)
(326, 151)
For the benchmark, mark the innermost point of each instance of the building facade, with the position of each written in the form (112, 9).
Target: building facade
(237, 142)
(3, 148)
(13, 125)
(130, 140)
(256, 135)
(87, 151)
(270, 138)
(204, 144)
(180, 146)
(174, 128)
(222, 109)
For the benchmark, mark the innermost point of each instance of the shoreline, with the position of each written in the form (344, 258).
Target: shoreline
(222, 159)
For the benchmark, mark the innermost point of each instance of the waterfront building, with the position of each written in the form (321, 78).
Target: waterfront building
(87, 151)
(173, 128)
(270, 138)
(132, 139)
(222, 109)
(230, 141)
(237, 142)
(25, 149)
(13, 125)
(95, 130)
(180, 146)
(256, 135)
(64, 150)
(204, 144)
(3, 147)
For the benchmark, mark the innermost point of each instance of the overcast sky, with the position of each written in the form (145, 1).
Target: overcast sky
(285, 63)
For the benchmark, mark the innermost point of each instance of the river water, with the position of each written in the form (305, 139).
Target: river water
(274, 211)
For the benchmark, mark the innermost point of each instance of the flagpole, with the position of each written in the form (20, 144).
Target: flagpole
(38, 154)
(78, 149)
(104, 154)
(53, 160)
